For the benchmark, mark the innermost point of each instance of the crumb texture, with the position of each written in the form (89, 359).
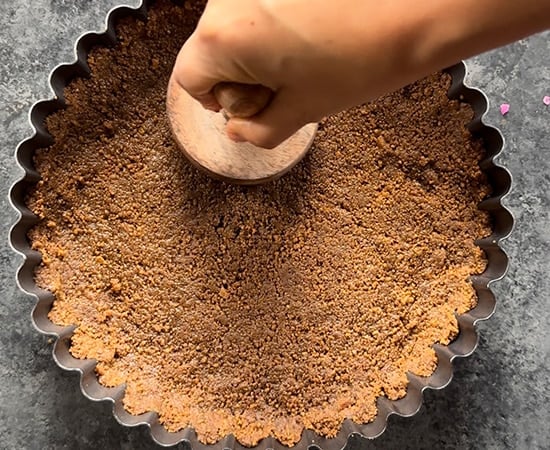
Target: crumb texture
(265, 310)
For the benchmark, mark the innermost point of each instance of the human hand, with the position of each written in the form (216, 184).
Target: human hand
(315, 63)
(321, 57)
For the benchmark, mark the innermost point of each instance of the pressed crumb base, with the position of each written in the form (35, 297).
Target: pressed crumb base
(265, 310)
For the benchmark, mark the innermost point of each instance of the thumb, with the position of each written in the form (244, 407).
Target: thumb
(280, 120)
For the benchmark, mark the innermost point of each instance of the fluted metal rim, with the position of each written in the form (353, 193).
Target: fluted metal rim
(464, 345)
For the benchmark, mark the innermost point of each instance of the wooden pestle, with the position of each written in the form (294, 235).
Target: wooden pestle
(200, 134)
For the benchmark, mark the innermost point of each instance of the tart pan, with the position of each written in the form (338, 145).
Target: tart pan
(463, 345)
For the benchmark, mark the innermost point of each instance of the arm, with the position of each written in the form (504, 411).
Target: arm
(321, 57)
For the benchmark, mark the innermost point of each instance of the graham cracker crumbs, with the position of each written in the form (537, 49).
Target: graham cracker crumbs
(262, 310)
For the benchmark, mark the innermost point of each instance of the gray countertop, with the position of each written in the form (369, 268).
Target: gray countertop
(500, 396)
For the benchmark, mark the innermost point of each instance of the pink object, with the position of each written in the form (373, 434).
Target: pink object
(504, 108)
(546, 100)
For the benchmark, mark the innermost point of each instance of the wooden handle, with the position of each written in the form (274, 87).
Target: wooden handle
(242, 100)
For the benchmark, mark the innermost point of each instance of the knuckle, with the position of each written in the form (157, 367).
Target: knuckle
(213, 33)
(218, 35)
(209, 35)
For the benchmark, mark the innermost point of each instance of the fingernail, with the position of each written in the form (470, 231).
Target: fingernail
(235, 137)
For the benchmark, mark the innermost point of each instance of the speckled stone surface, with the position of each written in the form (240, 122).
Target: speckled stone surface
(500, 397)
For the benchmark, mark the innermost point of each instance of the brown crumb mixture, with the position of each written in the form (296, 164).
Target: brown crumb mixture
(265, 310)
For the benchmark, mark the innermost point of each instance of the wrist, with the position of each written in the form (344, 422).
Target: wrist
(445, 33)
(429, 35)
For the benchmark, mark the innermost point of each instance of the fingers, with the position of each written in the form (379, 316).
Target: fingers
(194, 74)
(280, 120)
(203, 63)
